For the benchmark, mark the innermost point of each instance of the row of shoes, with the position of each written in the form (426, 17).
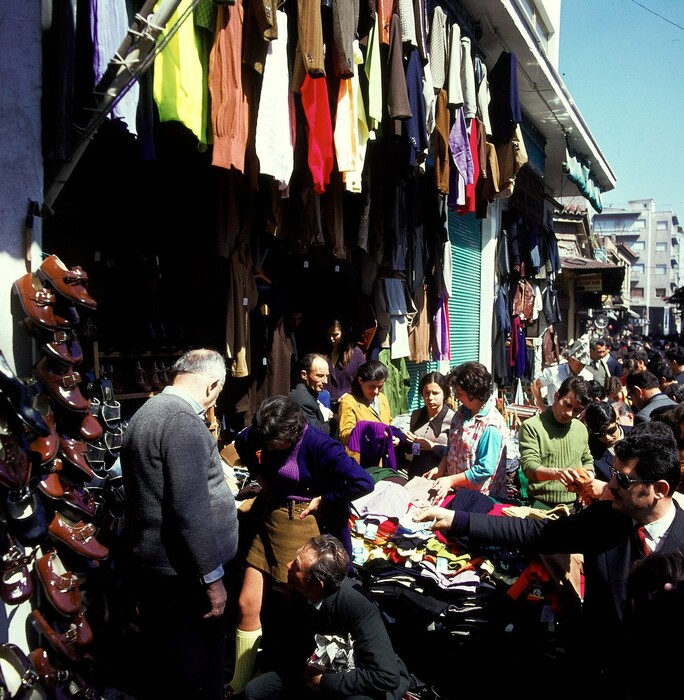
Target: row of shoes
(34, 677)
(61, 487)
(137, 376)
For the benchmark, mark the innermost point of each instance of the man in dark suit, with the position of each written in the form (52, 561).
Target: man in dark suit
(644, 477)
(643, 389)
(313, 376)
(337, 605)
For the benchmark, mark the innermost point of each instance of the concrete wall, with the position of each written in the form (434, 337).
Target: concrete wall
(21, 162)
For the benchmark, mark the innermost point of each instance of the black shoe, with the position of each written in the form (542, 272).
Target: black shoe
(20, 396)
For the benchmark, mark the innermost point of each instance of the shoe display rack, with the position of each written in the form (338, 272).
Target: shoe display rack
(61, 490)
(134, 375)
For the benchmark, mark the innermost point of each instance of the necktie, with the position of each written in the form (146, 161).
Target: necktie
(641, 534)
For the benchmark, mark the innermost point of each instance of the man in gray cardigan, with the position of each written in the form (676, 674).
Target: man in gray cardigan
(182, 525)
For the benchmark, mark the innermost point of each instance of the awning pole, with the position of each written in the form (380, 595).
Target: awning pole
(134, 57)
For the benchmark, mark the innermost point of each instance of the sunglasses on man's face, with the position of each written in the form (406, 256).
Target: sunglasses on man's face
(625, 482)
(610, 430)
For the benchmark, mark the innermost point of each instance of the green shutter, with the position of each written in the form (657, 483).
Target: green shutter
(416, 371)
(465, 234)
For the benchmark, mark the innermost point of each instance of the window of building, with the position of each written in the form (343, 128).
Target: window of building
(660, 292)
(604, 225)
(661, 247)
(537, 22)
(640, 223)
(638, 245)
(661, 269)
(637, 293)
(638, 268)
(662, 226)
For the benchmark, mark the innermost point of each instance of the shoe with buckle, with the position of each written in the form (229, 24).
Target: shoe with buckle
(20, 677)
(75, 452)
(26, 516)
(60, 585)
(60, 683)
(78, 536)
(71, 499)
(62, 385)
(70, 283)
(61, 637)
(38, 302)
(20, 395)
(16, 584)
(61, 344)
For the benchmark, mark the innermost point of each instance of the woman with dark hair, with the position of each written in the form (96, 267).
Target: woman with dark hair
(365, 402)
(429, 425)
(477, 448)
(308, 482)
(344, 359)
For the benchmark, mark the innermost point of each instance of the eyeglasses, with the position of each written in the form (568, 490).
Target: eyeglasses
(625, 482)
(611, 430)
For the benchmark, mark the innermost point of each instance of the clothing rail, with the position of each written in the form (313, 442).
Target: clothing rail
(135, 55)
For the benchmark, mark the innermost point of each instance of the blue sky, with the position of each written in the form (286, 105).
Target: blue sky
(624, 67)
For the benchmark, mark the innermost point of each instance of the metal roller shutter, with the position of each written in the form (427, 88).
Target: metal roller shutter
(465, 234)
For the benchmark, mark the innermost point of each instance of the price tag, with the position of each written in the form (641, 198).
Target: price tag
(245, 301)
(337, 268)
(264, 361)
(415, 448)
(306, 264)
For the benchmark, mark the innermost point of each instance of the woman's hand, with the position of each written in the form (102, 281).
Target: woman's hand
(441, 488)
(312, 507)
(395, 440)
(432, 474)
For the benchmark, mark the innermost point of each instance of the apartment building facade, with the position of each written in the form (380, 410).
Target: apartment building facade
(655, 236)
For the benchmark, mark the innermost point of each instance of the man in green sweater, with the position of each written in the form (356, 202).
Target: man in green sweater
(554, 443)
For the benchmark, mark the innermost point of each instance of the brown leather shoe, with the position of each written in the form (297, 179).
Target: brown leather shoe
(37, 302)
(60, 683)
(62, 640)
(71, 499)
(91, 428)
(70, 283)
(60, 585)
(48, 446)
(62, 345)
(62, 385)
(75, 452)
(78, 536)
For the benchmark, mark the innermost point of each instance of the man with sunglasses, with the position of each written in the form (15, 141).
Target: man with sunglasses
(640, 517)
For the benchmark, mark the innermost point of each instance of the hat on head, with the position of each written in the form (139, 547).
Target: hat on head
(579, 350)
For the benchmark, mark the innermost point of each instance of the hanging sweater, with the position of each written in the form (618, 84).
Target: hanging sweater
(544, 442)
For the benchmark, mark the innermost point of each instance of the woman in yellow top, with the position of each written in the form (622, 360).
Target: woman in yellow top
(365, 402)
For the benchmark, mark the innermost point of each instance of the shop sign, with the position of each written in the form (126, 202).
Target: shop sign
(590, 282)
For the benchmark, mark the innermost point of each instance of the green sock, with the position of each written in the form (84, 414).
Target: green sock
(246, 648)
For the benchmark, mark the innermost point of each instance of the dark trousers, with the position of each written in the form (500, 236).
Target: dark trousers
(270, 686)
(182, 654)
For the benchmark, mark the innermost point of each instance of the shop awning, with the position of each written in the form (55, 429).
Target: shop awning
(575, 263)
(612, 276)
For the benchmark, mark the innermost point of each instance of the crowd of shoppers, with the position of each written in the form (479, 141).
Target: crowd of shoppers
(579, 451)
